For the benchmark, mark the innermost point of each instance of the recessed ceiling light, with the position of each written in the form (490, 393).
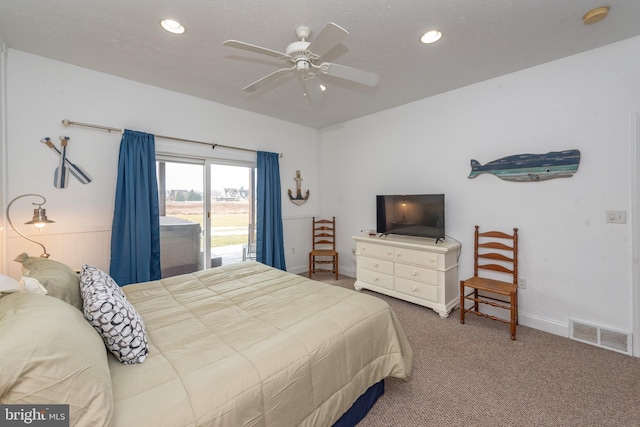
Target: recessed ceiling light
(172, 26)
(431, 36)
(595, 15)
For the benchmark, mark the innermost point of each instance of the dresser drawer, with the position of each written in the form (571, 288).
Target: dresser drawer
(375, 278)
(417, 289)
(375, 264)
(427, 259)
(419, 274)
(378, 251)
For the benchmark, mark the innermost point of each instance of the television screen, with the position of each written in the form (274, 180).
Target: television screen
(420, 215)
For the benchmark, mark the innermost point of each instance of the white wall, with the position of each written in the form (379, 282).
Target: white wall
(42, 92)
(575, 264)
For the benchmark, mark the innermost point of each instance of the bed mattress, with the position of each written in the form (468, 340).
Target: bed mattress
(249, 345)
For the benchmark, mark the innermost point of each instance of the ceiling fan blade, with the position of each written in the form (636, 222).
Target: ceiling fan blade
(253, 48)
(267, 79)
(364, 77)
(330, 36)
(314, 91)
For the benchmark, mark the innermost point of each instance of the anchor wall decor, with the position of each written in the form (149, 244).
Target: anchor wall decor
(298, 199)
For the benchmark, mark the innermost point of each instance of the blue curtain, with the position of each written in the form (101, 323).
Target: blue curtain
(135, 235)
(269, 235)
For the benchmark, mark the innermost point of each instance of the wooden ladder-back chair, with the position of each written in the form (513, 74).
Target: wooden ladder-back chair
(323, 246)
(502, 250)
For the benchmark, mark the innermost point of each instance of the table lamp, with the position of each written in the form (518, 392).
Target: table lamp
(39, 219)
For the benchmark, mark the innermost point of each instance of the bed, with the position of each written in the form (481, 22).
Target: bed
(239, 345)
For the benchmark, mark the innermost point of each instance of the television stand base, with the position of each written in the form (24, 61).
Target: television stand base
(414, 270)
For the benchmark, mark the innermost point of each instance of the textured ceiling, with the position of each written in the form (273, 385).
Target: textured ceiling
(482, 39)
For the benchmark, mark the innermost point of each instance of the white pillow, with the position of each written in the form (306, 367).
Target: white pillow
(9, 284)
(29, 285)
(32, 286)
(112, 315)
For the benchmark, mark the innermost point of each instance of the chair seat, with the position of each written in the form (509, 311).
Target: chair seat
(323, 252)
(491, 285)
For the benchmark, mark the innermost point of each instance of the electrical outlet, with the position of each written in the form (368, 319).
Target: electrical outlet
(522, 283)
(617, 217)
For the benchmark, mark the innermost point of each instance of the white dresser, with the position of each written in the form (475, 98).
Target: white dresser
(412, 269)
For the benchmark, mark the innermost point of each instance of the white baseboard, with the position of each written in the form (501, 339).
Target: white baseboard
(543, 324)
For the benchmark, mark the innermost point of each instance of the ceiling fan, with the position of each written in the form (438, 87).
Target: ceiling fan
(305, 59)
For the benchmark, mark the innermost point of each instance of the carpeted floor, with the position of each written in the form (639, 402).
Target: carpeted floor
(474, 375)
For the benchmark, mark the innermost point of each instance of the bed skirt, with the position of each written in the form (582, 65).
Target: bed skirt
(361, 407)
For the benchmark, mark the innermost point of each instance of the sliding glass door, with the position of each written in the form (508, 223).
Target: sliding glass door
(207, 214)
(232, 213)
(182, 214)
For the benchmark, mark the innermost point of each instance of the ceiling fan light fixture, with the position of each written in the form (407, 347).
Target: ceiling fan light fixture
(172, 26)
(302, 65)
(431, 36)
(305, 59)
(322, 87)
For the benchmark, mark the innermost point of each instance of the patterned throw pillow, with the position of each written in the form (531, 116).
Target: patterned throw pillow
(112, 315)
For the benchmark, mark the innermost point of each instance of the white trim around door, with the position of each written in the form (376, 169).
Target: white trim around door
(635, 230)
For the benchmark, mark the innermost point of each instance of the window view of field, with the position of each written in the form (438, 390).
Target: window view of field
(229, 219)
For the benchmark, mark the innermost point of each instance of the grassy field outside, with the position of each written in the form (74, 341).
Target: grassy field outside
(229, 219)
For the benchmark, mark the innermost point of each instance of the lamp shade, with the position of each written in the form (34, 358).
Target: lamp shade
(39, 216)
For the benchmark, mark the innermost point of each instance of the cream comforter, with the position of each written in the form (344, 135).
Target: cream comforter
(249, 345)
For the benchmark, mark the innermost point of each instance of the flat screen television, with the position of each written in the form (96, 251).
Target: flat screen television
(419, 215)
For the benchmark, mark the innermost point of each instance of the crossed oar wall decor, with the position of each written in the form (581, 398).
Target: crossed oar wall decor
(61, 175)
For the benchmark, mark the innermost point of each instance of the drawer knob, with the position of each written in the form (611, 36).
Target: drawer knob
(375, 264)
(413, 289)
(375, 278)
(413, 273)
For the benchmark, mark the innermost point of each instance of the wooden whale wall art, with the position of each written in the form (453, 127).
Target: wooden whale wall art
(530, 167)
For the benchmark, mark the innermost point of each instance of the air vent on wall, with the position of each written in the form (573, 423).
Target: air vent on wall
(600, 336)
